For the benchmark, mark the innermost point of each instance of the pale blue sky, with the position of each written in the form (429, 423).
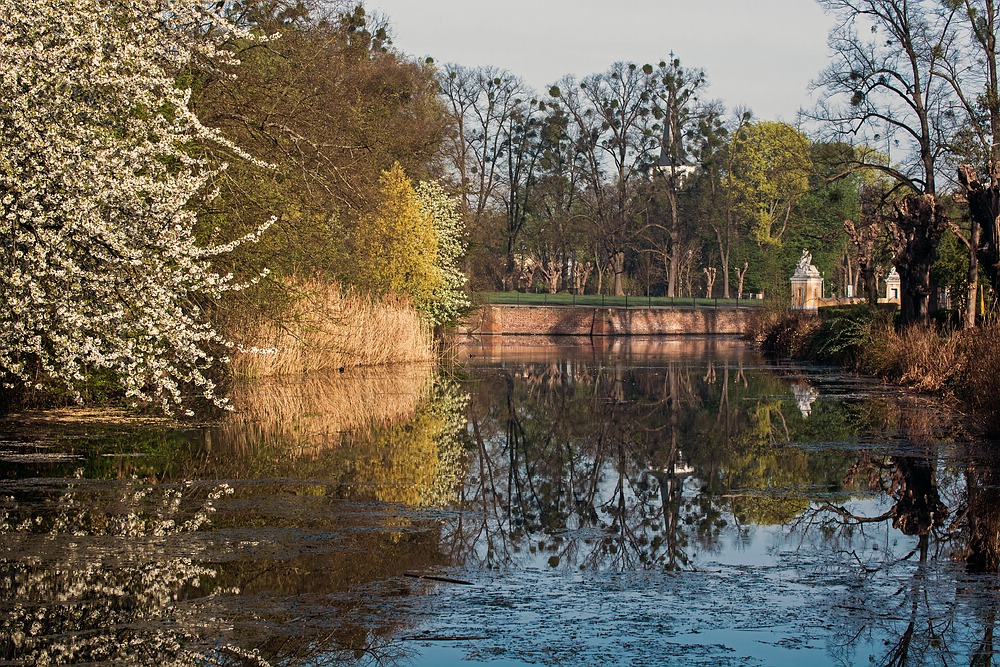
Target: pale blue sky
(759, 53)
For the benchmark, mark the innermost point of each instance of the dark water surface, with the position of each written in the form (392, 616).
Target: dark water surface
(643, 502)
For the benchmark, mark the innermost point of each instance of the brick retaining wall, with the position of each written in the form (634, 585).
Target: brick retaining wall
(582, 321)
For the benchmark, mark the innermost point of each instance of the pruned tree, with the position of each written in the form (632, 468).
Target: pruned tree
(741, 275)
(868, 237)
(864, 238)
(710, 273)
(971, 71)
(915, 229)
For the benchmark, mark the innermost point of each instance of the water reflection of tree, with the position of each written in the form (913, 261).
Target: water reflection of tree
(586, 464)
(127, 573)
(95, 584)
(129, 578)
(386, 437)
(926, 618)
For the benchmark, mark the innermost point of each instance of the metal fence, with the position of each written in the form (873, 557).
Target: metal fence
(606, 301)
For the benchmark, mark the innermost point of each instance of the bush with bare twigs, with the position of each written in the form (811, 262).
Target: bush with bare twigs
(980, 385)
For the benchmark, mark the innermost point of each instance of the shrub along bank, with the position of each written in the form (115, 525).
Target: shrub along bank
(935, 359)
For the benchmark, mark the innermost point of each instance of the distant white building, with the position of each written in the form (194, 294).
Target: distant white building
(672, 160)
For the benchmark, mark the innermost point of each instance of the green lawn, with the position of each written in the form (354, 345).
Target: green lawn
(532, 299)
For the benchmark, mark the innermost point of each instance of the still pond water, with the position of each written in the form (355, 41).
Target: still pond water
(644, 502)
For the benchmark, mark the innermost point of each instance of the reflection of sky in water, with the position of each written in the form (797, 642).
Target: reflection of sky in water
(619, 505)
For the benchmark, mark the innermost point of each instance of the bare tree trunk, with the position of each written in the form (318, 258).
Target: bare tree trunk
(741, 275)
(674, 261)
(580, 276)
(973, 280)
(972, 277)
(916, 228)
(984, 209)
(863, 237)
(710, 273)
(675, 242)
(600, 273)
(551, 273)
(618, 266)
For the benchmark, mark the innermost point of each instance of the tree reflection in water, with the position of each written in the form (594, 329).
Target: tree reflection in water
(636, 460)
(578, 463)
(934, 614)
(606, 463)
(100, 585)
(297, 566)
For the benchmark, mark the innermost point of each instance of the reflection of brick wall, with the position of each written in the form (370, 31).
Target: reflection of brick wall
(579, 321)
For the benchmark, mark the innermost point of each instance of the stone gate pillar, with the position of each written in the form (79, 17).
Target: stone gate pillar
(892, 285)
(807, 284)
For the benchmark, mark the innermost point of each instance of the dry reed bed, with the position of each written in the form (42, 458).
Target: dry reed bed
(921, 357)
(327, 327)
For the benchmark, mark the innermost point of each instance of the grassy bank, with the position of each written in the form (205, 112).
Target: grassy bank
(963, 364)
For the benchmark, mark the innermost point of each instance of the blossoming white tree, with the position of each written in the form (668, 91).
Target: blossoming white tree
(101, 268)
(449, 299)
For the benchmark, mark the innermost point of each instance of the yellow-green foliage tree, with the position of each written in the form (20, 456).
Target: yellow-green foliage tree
(395, 247)
(771, 167)
(329, 106)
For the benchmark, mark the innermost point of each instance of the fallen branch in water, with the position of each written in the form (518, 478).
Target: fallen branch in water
(434, 577)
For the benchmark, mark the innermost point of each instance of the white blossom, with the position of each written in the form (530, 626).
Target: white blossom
(450, 300)
(101, 269)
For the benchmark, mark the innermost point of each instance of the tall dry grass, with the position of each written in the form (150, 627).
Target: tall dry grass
(783, 333)
(326, 326)
(980, 386)
(922, 357)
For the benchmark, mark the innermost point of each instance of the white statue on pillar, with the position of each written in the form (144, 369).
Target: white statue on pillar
(804, 262)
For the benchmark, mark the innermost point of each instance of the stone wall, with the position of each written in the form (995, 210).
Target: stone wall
(582, 321)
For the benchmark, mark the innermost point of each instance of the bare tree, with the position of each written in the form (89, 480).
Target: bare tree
(881, 87)
(493, 148)
(710, 273)
(971, 71)
(613, 116)
(741, 275)
(676, 90)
